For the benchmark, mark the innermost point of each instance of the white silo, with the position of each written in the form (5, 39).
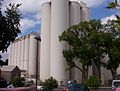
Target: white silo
(16, 53)
(10, 55)
(59, 23)
(12, 60)
(26, 53)
(75, 18)
(45, 41)
(19, 53)
(85, 12)
(75, 14)
(22, 53)
(32, 55)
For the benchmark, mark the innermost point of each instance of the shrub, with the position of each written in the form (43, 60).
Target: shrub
(50, 84)
(18, 81)
(93, 82)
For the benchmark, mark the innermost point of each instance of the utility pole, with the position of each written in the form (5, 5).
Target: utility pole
(38, 40)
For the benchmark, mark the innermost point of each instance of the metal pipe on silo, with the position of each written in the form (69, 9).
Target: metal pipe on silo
(45, 41)
(59, 23)
(32, 55)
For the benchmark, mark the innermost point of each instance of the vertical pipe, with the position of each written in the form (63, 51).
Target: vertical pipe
(45, 41)
(26, 54)
(39, 51)
(32, 55)
(59, 23)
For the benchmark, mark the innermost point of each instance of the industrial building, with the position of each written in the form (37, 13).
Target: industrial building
(24, 53)
(57, 16)
(27, 52)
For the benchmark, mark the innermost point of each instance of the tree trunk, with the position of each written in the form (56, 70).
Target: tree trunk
(96, 70)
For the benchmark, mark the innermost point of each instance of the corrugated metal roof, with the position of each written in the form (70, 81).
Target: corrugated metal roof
(8, 68)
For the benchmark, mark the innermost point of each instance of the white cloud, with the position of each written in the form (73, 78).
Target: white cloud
(26, 24)
(104, 20)
(91, 3)
(31, 8)
(4, 55)
(37, 16)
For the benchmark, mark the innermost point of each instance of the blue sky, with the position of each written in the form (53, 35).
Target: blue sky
(101, 11)
(31, 13)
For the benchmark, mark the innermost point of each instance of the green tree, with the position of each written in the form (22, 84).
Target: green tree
(93, 82)
(9, 25)
(18, 81)
(90, 43)
(112, 46)
(113, 5)
(50, 84)
(85, 41)
(114, 50)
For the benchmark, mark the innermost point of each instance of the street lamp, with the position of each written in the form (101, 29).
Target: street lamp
(38, 39)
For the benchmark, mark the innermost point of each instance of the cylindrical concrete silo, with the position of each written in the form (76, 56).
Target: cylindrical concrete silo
(12, 60)
(75, 18)
(45, 41)
(75, 14)
(26, 54)
(16, 52)
(19, 53)
(118, 2)
(22, 53)
(32, 55)
(10, 55)
(85, 12)
(59, 23)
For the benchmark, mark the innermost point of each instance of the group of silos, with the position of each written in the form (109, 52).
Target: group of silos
(24, 53)
(57, 16)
